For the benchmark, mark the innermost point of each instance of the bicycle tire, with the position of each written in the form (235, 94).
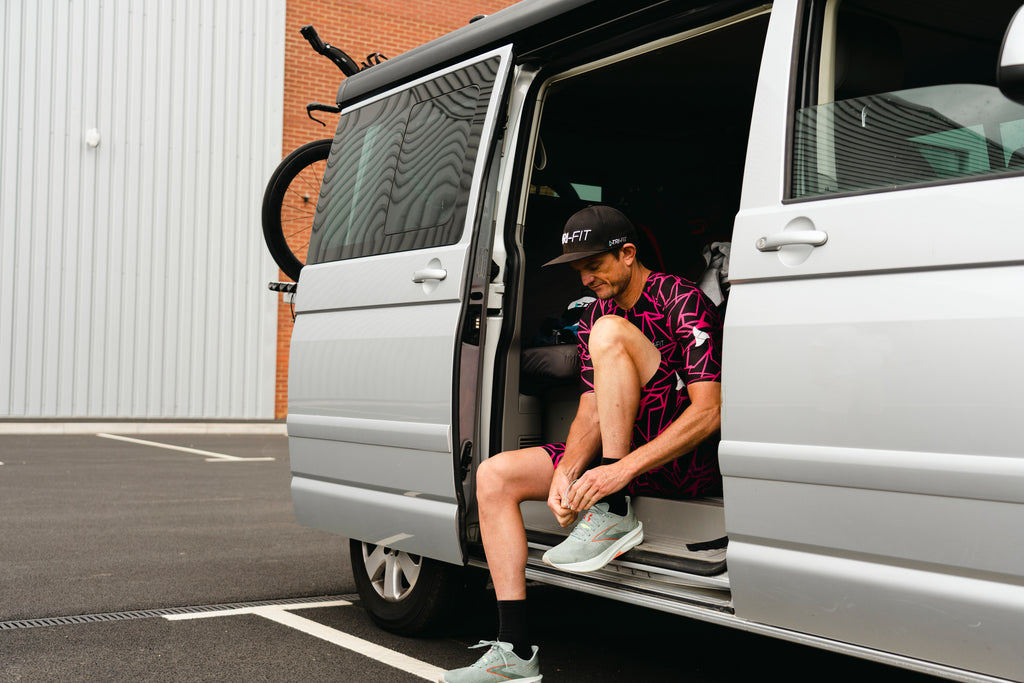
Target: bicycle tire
(289, 204)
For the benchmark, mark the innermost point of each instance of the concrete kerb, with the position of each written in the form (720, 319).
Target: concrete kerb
(127, 428)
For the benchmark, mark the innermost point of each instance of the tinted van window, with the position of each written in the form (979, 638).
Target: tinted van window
(396, 176)
(906, 96)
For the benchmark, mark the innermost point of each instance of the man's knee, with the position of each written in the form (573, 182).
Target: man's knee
(612, 335)
(492, 478)
(510, 476)
(611, 332)
(485, 475)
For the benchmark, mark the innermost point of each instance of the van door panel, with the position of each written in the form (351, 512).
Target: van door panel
(871, 418)
(909, 610)
(883, 232)
(384, 280)
(847, 360)
(371, 377)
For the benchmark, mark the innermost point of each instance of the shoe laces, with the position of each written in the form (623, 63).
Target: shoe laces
(498, 650)
(592, 519)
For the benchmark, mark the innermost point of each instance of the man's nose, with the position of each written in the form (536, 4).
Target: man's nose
(587, 278)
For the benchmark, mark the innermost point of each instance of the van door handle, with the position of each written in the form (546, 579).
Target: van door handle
(814, 238)
(429, 274)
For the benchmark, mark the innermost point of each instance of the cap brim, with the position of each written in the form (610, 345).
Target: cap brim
(574, 256)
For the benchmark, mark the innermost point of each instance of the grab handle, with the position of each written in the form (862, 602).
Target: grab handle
(429, 274)
(814, 238)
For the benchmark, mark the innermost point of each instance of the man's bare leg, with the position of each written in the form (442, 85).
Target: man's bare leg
(503, 482)
(624, 361)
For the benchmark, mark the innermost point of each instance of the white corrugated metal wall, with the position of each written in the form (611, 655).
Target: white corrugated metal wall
(133, 274)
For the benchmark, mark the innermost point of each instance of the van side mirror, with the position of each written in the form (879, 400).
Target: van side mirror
(1010, 75)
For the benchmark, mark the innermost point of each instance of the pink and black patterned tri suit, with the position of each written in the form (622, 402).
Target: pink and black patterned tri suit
(686, 327)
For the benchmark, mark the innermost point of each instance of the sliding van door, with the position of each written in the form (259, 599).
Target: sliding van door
(874, 477)
(381, 311)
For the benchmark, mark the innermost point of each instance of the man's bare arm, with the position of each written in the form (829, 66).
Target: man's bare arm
(700, 420)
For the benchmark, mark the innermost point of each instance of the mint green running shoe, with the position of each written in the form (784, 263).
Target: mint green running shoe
(498, 665)
(598, 538)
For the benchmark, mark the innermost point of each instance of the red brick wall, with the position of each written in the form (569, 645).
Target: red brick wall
(358, 27)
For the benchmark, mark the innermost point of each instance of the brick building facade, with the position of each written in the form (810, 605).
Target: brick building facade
(359, 27)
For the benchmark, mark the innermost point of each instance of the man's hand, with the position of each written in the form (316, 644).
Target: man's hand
(560, 482)
(594, 485)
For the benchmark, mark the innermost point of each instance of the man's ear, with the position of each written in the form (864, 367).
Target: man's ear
(628, 252)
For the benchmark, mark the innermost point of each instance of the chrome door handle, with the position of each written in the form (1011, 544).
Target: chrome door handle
(429, 274)
(814, 238)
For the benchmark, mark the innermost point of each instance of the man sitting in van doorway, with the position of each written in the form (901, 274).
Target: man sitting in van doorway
(650, 352)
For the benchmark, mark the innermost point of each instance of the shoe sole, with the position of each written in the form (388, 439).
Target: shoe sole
(624, 544)
(529, 679)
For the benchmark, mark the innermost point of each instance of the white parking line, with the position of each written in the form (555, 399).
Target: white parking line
(210, 455)
(252, 610)
(281, 615)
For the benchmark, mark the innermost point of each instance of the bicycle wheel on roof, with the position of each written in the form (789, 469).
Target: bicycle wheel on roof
(289, 204)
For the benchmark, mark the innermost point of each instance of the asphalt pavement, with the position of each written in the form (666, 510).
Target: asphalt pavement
(95, 524)
(187, 548)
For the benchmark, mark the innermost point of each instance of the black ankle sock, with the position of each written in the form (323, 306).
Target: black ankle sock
(512, 627)
(616, 501)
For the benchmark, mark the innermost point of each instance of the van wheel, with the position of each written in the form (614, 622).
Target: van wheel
(408, 594)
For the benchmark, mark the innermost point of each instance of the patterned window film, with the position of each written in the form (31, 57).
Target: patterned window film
(399, 171)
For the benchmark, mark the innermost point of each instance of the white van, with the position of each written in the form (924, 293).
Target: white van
(865, 170)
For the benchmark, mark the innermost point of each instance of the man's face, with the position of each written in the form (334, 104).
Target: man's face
(606, 274)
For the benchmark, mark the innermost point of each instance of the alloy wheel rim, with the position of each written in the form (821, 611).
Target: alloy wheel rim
(392, 573)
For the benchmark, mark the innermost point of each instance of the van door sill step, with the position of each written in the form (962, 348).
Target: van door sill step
(706, 559)
(631, 589)
(717, 544)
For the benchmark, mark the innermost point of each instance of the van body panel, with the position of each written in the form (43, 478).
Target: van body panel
(372, 361)
(362, 465)
(847, 361)
(972, 476)
(424, 435)
(934, 533)
(888, 231)
(427, 527)
(937, 617)
(354, 285)
(871, 423)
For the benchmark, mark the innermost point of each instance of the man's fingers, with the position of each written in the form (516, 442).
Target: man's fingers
(562, 515)
(584, 492)
(567, 495)
(588, 490)
(574, 493)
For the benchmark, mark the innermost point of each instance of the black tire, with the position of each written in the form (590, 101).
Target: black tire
(415, 605)
(289, 204)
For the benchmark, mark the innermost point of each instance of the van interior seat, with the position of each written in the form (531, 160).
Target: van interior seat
(869, 57)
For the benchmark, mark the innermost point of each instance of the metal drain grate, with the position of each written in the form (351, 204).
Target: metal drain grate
(149, 613)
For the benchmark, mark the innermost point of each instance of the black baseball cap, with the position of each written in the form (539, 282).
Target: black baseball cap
(594, 230)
